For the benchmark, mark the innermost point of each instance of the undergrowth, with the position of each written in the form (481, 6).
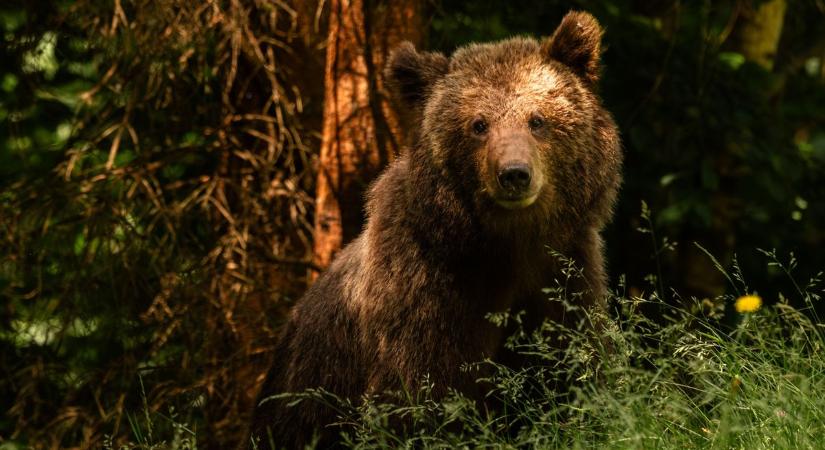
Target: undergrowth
(700, 375)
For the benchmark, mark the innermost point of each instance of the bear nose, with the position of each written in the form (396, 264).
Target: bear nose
(515, 177)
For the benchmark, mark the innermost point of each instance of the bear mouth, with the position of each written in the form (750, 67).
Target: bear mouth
(517, 203)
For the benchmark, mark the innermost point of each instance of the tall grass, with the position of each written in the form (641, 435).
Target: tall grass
(699, 375)
(691, 378)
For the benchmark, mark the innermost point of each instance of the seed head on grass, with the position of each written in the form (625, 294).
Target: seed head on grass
(748, 303)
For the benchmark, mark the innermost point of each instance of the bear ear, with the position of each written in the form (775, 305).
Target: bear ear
(576, 43)
(412, 74)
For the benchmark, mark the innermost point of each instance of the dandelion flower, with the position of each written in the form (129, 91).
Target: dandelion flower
(735, 384)
(748, 303)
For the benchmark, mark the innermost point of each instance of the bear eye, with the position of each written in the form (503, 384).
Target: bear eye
(479, 126)
(535, 123)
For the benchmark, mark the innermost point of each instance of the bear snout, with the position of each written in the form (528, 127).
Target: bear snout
(515, 177)
(517, 186)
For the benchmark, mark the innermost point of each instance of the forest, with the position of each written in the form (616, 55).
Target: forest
(174, 175)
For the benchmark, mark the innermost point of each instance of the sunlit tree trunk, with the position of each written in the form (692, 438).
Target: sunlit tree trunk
(760, 30)
(360, 131)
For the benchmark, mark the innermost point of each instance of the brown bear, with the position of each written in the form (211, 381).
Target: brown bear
(512, 152)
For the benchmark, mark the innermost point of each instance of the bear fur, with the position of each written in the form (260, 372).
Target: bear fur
(512, 152)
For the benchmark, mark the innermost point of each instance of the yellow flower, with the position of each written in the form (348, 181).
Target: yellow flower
(735, 384)
(748, 303)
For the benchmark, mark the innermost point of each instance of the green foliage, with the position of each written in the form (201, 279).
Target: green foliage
(153, 176)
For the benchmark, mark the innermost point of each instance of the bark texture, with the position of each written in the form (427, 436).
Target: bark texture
(361, 129)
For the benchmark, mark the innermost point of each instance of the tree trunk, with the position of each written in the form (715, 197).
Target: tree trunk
(360, 131)
(759, 32)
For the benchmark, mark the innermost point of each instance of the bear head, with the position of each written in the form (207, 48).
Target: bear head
(517, 125)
